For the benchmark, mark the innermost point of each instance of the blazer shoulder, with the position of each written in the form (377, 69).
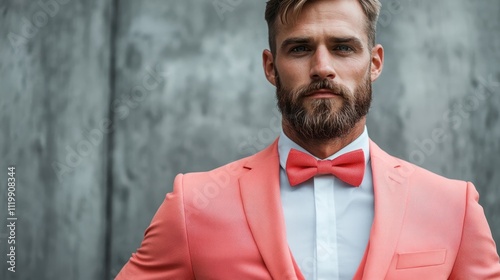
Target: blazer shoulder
(418, 176)
(230, 172)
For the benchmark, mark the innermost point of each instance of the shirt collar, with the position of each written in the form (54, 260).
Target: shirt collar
(362, 142)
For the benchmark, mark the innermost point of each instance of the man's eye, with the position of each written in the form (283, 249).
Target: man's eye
(299, 49)
(344, 48)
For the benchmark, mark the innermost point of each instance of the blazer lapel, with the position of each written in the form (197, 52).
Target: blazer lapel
(260, 194)
(390, 190)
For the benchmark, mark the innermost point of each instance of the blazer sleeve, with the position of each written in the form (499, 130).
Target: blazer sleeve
(164, 252)
(477, 256)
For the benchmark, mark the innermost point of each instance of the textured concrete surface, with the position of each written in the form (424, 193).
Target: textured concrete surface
(54, 91)
(182, 90)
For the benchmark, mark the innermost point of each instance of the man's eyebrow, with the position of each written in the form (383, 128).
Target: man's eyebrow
(352, 40)
(295, 41)
(307, 40)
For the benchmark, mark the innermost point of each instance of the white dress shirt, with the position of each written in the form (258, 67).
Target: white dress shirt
(328, 222)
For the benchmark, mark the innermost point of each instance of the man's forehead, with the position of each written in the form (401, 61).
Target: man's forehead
(330, 15)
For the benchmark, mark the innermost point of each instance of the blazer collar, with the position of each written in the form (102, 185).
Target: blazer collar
(390, 185)
(260, 194)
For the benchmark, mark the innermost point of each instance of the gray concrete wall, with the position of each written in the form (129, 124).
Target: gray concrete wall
(104, 102)
(54, 81)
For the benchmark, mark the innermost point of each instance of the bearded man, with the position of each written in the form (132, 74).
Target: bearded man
(323, 201)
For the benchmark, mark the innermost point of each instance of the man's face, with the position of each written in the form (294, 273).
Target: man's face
(322, 69)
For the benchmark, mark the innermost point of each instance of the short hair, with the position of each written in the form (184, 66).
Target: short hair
(290, 9)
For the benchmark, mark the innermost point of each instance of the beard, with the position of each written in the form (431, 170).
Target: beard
(323, 119)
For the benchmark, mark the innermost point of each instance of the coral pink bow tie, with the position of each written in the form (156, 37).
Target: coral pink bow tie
(349, 167)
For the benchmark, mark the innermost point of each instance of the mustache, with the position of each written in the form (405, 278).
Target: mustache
(326, 84)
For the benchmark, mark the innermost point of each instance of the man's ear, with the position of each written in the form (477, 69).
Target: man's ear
(377, 62)
(268, 64)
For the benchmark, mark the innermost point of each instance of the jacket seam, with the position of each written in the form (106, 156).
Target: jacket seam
(185, 226)
(463, 223)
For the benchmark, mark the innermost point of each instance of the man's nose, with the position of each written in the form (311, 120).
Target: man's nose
(322, 65)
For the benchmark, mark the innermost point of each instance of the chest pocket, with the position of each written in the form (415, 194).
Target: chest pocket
(421, 259)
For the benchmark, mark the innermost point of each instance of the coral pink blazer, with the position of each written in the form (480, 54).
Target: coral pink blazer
(228, 224)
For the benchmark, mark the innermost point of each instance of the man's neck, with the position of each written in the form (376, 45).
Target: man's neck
(325, 148)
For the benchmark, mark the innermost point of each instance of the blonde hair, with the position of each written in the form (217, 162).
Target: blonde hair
(287, 10)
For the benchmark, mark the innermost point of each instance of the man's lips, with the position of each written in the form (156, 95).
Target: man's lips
(322, 93)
